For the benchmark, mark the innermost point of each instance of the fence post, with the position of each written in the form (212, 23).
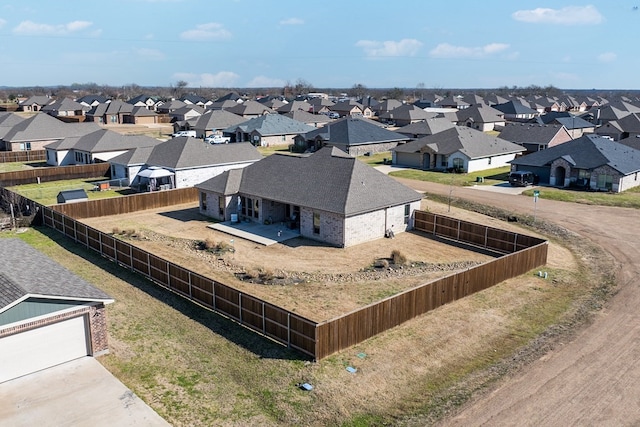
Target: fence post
(458, 235)
(240, 306)
(288, 330)
(435, 218)
(515, 242)
(190, 295)
(486, 236)
(264, 322)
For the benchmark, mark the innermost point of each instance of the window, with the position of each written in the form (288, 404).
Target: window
(26, 146)
(221, 206)
(203, 201)
(458, 164)
(316, 223)
(605, 182)
(444, 161)
(407, 213)
(584, 174)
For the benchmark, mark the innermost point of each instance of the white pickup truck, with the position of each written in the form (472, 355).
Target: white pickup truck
(217, 139)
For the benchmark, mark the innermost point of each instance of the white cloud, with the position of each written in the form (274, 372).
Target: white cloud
(404, 47)
(2, 22)
(263, 81)
(210, 31)
(570, 15)
(221, 79)
(33, 28)
(607, 57)
(292, 21)
(152, 54)
(446, 50)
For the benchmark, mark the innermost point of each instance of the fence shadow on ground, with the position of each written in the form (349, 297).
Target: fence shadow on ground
(246, 338)
(184, 215)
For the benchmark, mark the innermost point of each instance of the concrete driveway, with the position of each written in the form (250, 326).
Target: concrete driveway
(80, 392)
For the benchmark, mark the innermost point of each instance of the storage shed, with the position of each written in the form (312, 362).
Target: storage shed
(72, 196)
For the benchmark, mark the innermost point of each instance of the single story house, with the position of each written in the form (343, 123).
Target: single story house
(351, 108)
(34, 103)
(213, 122)
(110, 113)
(267, 130)
(95, 147)
(341, 201)
(250, 109)
(315, 120)
(425, 127)
(480, 117)
(404, 115)
(48, 315)
(356, 136)
(42, 129)
(515, 111)
(589, 162)
(180, 162)
(460, 149)
(535, 137)
(66, 109)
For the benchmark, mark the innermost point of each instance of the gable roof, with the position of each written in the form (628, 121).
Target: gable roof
(521, 133)
(354, 131)
(587, 152)
(18, 280)
(217, 119)
(472, 143)
(78, 194)
(65, 104)
(250, 108)
(137, 156)
(334, 182)
(42, 126)
(188, 152)
(271, 124)
(104, 140)
(426, 127)
(305, 117)
(514, 107)
(480, 113)
(406, 112)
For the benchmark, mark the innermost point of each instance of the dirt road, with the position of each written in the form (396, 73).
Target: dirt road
(595, 378)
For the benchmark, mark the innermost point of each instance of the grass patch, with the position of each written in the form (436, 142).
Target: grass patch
(267, 151)
(491, 176)
(376, 159)
(626, 199)
(46, 193)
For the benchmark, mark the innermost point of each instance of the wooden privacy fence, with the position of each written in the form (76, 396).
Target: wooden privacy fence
(127, 204)
(272, 321)
(22, 156)
(32, 176)
(318, 340)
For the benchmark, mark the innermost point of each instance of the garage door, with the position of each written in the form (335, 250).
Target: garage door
(41, 348)
(413, 160)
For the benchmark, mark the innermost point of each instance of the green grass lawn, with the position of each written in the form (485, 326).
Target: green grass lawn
(267, 151)
(46, 193)
(627, 199)
(20, 166)
(491, 176)
(376, 159)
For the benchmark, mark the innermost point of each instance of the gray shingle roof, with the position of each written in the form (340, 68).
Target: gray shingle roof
(217, 120)
(587, 152)
(426, 127)
(42, 127)
(250, 108)
(333, 182)
(354, 131)
(521, 133)
(19, 278)
(271, 124)
(472, 143)
(105, 140)
(188, 152)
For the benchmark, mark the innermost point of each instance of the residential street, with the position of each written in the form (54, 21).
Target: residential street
(595, 378)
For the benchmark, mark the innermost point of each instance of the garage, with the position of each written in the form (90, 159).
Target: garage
(48, 315)
(412, 160)
(42, 348)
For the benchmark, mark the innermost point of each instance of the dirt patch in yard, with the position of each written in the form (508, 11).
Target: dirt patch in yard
(317, 281)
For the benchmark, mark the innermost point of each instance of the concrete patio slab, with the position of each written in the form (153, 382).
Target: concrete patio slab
(263, 234)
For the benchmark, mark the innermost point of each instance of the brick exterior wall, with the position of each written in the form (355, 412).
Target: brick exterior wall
(95, 315)
(360, 150)
(331, 227)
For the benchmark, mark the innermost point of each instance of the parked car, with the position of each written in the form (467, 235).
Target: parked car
(185, 133)
(217, 139)
(523, 178)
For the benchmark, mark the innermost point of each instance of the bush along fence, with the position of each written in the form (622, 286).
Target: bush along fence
(316, 339)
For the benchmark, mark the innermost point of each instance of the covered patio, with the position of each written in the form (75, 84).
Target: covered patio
(260, 233)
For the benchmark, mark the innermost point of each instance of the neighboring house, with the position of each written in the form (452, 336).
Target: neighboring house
(514, 111)
(141, 116)
(185, 161)
(187, 112)
(148, 102)
(480, 117)
(48, 315)
(589, 162)
(354, 135)
(66, 109)
(350, 108)
(425, 127)
(42, 129)
(193, 99)
(459, 149)
(328, 196)
(575, 125)
(294, 106)
(169, 106)
(72, 196)
(386, 106)
(222, 105)
(95, 147)
(92, 100)
(315, 120)
(250, 109)
(626, 127)
(272, 102)
(214, 122)
(404, 115)
(535, 137)
(34, 103)
(456, 102)
(111, 113)
(320, 105)
(268, 130)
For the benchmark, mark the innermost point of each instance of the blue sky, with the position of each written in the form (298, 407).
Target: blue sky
(328, 43)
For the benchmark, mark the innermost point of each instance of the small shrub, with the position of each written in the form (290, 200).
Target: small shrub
(208, 244)
(116, 230)
(398, 258)
(130, 232)
(267, 275)
(381, 263)
(252, 273)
